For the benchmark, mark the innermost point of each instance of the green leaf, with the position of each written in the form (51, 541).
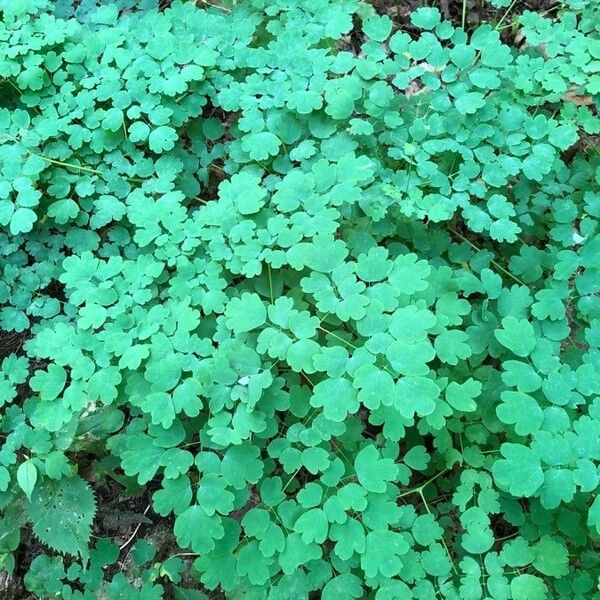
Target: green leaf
(162, 138)
(593, 519)
(312, 526)
(343, 587)
(374, 265)
(160, 405)
(520, 410)
(174, 496)
(409, 274)
(297, 553)
(195, 529)
(141, 457)
(213, 495)
(323, 255)
(383, 553)
(245, 313)
(478, 536)
(517, 335)
(417, 458)
(49, 383)
(416, 395)
(469, 103)
(426, 530)
(375, 386)
(57, 465)
(451, 346)
(22, 221)
(462, 395)
(138, 131)
(528, 587)
(27, 477)
(519, 472)
(378, 27)
(521, 375)
(373, 471)
(261, 146)
(188, 594)
(337, 397)
(242, 465)
(62, 513)
(551, 557)
(425, 17)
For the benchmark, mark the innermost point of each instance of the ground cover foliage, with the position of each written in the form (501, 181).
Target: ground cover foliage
(323, 290)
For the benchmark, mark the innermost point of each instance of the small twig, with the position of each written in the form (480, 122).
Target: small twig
(132, 536)
(227, 10)
(505, 15)
(508, 537)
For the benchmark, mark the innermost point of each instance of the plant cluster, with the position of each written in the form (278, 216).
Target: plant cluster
(324, 289)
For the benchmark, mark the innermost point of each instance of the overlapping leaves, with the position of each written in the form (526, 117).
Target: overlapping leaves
(334, 308)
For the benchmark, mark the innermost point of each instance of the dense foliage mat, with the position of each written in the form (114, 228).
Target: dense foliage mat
(323, 291)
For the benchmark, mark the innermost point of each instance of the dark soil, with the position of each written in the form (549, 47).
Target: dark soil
(476, 11)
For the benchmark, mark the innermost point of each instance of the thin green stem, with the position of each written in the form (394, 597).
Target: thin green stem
(419, 489)
(508, 537)
(505, 14)
(66, 164)
(308, 420)
(337, 337)
(496, 264)
(85, 168)
(463, 20)
(270, 282)
(424, 502)
(442, 538)
(312, 385)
